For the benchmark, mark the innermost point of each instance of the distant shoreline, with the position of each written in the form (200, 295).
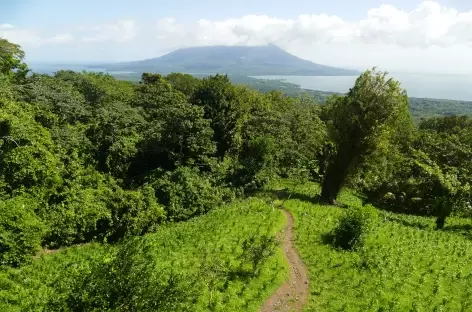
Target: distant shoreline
(262, 83)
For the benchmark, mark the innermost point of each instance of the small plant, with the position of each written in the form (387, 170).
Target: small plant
(257, 249)
(353, 227)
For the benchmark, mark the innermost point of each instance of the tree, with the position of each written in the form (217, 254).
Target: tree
(359, 123)
(185, 83)
(223, 106)
(57, 96)
(5, 88)
(115, 132)
(27, 158)
(98, 89)
(11, 60)
(154, 93)
(178, 136)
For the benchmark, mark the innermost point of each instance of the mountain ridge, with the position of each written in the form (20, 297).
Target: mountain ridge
(241, 60)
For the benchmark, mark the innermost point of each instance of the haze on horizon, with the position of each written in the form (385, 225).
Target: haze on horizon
(397, 35)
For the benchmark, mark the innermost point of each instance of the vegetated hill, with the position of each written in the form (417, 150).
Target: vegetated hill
(419, 107)
(404, 264)
(242, 60)
(188, 266)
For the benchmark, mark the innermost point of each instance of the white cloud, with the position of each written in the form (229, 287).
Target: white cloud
(121, 31)
(6, 26)
(19, 36)
(429, 36)
(60, 38)
(428, 25)
(31, 38)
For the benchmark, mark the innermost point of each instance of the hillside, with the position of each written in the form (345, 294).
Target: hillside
(198, 266)
(405, 265)
(164, 195)
(242, 60)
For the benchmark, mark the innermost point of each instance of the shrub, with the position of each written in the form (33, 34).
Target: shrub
(82, 216)
(256, 163)
(105, 213)
(134, 213)
(257, 249)
(131, 279)
(186, 193)
(20, 231)
(353, 227)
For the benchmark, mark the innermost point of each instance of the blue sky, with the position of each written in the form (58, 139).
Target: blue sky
(51, 13)
(390, 33)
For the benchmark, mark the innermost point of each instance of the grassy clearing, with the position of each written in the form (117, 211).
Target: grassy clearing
(207, 255)
(405, 264)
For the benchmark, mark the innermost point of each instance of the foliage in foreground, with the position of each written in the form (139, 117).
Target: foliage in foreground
(223, 261)
(404, 265)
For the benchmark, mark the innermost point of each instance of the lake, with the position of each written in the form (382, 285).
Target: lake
(454, 87)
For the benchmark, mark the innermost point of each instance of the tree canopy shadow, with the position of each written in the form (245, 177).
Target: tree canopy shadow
(328, 238)
(461, 229)
(464, 230)
(409, 223)
(285, 194)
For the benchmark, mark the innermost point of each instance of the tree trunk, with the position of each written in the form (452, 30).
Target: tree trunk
(336, 174)
(440, 222)
(444, 210)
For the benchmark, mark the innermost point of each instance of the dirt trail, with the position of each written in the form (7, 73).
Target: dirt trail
(292, 295)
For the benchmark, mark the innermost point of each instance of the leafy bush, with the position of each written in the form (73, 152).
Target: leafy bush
(134, 213)
(20, 231)
(256, 163)
(81, 216)
(257, 249)
(186, 193)
(353, 226)
(100, 210)
(132, 280)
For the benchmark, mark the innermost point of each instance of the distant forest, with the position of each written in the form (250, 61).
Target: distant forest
(420, 108)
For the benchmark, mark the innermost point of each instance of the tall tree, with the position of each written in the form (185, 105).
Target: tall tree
(11, 60)
(222, 104)
(185, 83)
(359, 124)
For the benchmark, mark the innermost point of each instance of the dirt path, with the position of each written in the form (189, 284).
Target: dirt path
(292, 295)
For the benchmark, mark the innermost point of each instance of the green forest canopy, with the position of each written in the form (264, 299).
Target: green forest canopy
(420, 108)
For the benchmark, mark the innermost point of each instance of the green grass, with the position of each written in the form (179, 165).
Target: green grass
(48, 279)
(211, 240)
(405, 265)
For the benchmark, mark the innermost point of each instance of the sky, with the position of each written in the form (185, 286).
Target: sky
(396, 35)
